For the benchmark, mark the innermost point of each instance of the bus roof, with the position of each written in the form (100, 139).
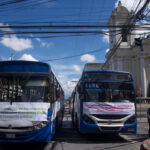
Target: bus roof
(105, 71)
(89, 67)
(24, 66)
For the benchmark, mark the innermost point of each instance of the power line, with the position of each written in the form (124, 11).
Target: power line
(71, 26)
(72, 56)
(11, 2)
(131, 21)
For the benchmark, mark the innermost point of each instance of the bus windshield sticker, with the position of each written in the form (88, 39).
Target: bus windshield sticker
(107, 108)
(24, 111)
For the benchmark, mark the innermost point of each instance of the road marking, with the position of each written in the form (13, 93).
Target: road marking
(127, 138)
(65, 138)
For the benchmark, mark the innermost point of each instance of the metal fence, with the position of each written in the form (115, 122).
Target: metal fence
(143, 103)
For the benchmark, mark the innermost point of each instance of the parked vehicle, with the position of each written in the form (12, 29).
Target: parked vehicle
(31, 102)
(104, 102)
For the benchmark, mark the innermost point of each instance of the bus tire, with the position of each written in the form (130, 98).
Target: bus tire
(75, 121)
(57, 124)
(61, 120)
(72, 118)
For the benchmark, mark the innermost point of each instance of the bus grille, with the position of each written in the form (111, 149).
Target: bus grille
(17, 136)
(110, 128)
(109, 116)
(16, 128)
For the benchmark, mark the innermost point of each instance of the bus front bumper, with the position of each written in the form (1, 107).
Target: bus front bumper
(86, 128)
(41, 135)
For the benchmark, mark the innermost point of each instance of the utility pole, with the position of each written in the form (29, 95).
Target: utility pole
(131, 22)
(138, 42)
(11, 58)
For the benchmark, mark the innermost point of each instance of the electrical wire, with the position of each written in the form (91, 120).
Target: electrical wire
(72, 56)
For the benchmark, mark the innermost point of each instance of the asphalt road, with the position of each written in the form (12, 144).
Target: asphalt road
(69, 139)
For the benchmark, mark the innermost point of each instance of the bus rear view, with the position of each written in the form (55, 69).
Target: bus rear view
(104, 102)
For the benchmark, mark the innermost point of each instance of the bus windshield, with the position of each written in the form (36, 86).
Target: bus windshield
(103, 75)
(109, 92)
(25, 88)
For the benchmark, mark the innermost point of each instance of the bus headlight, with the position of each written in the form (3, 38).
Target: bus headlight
(40, 125)
(131, 120)
(87, 119)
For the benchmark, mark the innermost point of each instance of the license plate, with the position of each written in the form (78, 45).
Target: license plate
(10, 136)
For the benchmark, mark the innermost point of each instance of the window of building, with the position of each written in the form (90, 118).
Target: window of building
(124, 34)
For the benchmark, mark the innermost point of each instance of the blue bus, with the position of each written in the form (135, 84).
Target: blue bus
(31, 102)
(103, 101)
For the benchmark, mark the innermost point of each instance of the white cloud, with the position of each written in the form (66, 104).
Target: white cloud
(38, 39)
(87, 58)
(107, 50)
(74, 69)
(60, 67)
(106, 37)
(131, 4)
(12, 41)
(77, 68)
(68, 84)
(67, 76)
(5, 28)
(27, 57)
(44, 44)
(15, 43)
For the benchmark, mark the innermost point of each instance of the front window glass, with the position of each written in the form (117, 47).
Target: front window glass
(109, 92)
(24, 88)
(103, 75)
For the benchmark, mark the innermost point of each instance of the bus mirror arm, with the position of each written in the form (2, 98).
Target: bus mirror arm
(57, 94)
(81, 96)
(80, 90)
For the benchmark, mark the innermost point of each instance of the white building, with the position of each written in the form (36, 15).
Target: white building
(127, 56)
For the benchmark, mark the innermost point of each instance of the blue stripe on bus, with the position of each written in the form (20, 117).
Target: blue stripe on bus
(106, 71)
(42, 135)
(86, 128)
(23, 66)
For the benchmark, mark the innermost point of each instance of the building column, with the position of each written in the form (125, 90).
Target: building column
(119, 64)
(143, 77)
(134, 69)
(112, 65)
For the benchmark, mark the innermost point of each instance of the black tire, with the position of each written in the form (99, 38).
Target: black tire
(61, 122)
(76, 121)
(57, 124)
(72, 118)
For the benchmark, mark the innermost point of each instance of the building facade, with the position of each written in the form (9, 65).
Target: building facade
(127, 56)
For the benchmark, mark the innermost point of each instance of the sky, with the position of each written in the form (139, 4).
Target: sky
(55, 12)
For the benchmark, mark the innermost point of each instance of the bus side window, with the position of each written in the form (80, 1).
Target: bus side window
(58, 92)
(52, 88)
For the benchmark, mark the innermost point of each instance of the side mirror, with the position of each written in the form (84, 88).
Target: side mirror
(57, 94)
(80, 89)
(81, 96)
